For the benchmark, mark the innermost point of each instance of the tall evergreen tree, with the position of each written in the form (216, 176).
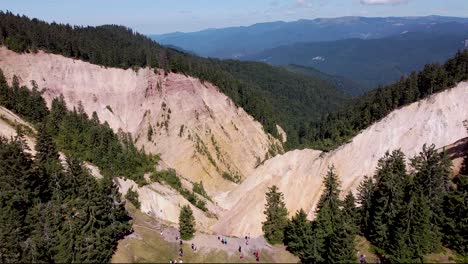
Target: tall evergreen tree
(388, 197)
(276, 216)
(456, 216)
(432, 172)
(16, 170)
(186, 223)
(364, 198)
(48, 165)
(351, 213)
(298, 234)
(412, 236)
(338, 236)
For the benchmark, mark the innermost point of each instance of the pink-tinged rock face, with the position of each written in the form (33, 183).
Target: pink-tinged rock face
(196, 129)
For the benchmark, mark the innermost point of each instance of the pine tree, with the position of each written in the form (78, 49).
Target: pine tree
(456, 216)
(15, 199)
(57, 113)
(387, 198)
(328, 207)
(411, 236)
(432, 172)
(364, 198)
(276, 216)
(338, 235)
(47, 164)
(297, 234)
(186, 223)
(351, 213)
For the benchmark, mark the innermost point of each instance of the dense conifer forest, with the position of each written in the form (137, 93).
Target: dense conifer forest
(406, 213)
(53, 210)
(55, 213)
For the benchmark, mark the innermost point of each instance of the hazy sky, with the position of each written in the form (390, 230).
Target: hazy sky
(159, 16)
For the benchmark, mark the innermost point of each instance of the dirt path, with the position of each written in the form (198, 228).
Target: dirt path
(209, 242)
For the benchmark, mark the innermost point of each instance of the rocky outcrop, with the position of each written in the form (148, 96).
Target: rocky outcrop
(440, 119)
(193, 126)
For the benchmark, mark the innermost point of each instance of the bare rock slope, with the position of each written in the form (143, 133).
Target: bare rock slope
(197, 129)
(440, 119)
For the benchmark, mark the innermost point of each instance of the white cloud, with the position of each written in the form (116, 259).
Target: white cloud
(303, 4)
(383, 2)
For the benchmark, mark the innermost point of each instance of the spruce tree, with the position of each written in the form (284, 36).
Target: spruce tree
(297, 234)
(351, 213)
(364, 198)
(276, 216)
(388, 197)
(16, 168)
(328, 207)
(412, 236)
(456, 216)
(47, 164)
(331, 227)
(186, 223)
(432, 172)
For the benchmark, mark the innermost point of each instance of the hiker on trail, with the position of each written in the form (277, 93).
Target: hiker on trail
(181, 252)
(177, 238)
(240, 249)
(181, 242)
(193, 247)
(225, 241)
(362, 259)
(218, 237)
(241, 256)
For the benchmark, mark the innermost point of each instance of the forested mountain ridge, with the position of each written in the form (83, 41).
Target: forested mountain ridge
(372, 62)
(240, 42)
(116, 46)
(341, 83)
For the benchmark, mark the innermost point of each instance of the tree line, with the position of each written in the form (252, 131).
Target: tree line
(406, 213)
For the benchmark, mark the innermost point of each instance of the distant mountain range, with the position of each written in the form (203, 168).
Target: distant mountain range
(365, 52)
(239, 42)
(370, 62)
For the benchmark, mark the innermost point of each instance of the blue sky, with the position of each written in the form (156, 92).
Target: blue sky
(159, 16)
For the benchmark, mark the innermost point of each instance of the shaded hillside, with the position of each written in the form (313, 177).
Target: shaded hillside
(258, 93)
(239, 42)
(341, 83)
(372, 62)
